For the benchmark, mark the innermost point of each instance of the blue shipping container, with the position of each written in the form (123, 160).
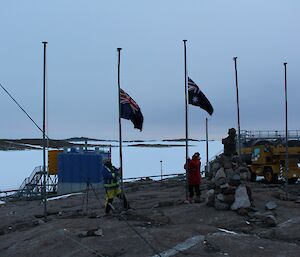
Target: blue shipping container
(80, 167)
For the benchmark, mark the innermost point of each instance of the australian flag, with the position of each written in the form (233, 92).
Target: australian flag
(196, 97)
(131, 111)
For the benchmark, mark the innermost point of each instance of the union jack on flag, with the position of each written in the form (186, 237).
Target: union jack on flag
(192, 86)
(126, 99)
(130, 110)
(196, 97)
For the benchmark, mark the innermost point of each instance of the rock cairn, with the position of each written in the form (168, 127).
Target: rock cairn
(227, 184)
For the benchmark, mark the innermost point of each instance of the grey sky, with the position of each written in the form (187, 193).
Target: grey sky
(82, 64)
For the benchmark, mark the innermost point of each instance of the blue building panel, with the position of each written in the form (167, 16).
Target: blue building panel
(80, 167)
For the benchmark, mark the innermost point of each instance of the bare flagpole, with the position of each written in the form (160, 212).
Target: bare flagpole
(207, 166)
(238, 105)
(186, 117)
(286, 127)
(120, 127)
(44, 133)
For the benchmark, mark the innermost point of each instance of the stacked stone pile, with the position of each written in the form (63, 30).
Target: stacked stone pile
(227, 184)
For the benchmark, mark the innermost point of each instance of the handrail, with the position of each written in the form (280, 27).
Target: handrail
(156, 176)
(269, 134)
(31, 176)
(27, 185)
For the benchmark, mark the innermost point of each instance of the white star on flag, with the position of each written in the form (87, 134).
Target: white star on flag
(195, 99)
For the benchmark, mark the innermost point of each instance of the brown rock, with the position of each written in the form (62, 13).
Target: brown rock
(228, 165)
(221, 205)
(270, 220)
(229, 199)
(229, 173)
(242, 211)
(271, 205)
(91, 232)
(228, 191)
(210, 201)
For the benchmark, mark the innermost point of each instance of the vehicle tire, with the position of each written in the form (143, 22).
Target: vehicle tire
(292, 180)
(275, 178)
(268, 175)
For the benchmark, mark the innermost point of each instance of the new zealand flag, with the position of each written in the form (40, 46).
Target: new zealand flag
(131, 111)
(196, 97)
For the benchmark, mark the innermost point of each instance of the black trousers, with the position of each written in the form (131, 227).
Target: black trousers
(110, 201)
(193, 188)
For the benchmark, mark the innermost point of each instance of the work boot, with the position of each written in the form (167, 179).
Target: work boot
(198, 199)
(128, 207)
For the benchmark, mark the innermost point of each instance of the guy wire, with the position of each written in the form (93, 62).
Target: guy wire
(21, 108)
(127, 223)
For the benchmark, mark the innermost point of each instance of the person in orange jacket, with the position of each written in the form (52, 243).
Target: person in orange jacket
(194, 177)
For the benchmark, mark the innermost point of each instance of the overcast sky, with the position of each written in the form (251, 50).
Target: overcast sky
(83, 38)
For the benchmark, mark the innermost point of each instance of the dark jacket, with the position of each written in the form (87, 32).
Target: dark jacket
(110, 177)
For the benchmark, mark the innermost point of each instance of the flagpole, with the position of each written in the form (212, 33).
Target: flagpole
(286, 127)
(120, 127)
(44, 133)
(186, 116)
(238, 105)
(207, 146)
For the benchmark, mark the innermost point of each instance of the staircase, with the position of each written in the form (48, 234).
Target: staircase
(31, 186)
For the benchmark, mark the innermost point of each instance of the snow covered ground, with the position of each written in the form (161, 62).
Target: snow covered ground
(15, 166)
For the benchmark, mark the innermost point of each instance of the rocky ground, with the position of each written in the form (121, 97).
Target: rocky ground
(160, 223)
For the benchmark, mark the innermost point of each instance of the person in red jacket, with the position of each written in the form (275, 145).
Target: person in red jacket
(194, 177)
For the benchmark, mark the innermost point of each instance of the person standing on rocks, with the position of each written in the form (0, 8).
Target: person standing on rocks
(230, 143)
(194, 178)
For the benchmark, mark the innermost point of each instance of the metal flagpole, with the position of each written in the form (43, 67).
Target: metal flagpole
(207, 165)
(186, 117)
(161, 171)
(44, 134)
(286, 127)
(238, 106)
(120, 127)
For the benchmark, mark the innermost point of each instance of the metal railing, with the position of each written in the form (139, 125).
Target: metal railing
(155, 176)
(31, 185)
(269, 134)
(29, 179)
